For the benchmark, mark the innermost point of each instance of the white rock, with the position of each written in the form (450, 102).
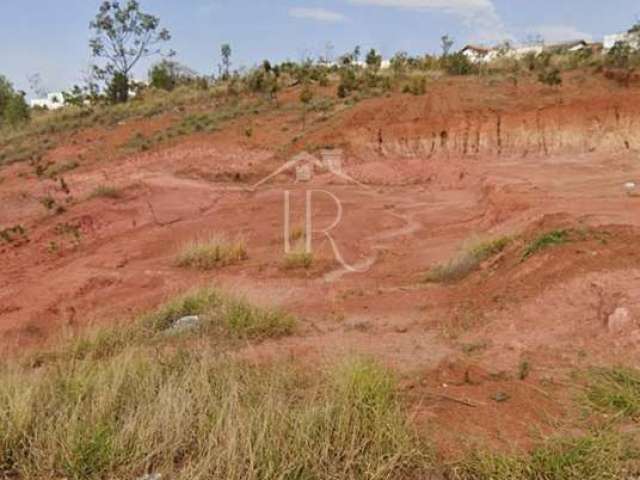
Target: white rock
(620, 320)
(186, 324)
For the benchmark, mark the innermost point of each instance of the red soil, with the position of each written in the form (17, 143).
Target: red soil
(470, 158)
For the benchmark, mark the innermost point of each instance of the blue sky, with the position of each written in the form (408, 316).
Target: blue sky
(50, 38)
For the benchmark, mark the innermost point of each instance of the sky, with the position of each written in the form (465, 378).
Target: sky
(50, 38)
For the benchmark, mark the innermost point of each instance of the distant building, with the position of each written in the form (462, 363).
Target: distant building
(475, 54)
(633, 40)
(568, 46)
(53, 101)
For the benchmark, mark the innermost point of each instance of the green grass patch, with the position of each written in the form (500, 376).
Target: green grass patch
(467, 261)
(615, 390)
(592, 457)
(546, 240)
(222, 315)
(213, 252)
(198, 415)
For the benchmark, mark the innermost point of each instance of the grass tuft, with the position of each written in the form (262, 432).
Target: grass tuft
(212, 253)
(592, 457)
(298, 260)
(467, 261)
(106, 191)
(546, 240)
(219, 313)
(615, 390)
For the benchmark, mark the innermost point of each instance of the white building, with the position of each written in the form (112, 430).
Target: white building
(475, 54)
(53, 101)
(632, 40)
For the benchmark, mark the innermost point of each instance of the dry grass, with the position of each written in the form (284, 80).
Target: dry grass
(196, 415)
(597, 456)
(212, 252)
(298, 260)
(106, 191)
(467, 260)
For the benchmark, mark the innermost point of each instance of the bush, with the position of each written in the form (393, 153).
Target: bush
(161, 76)
(550, 77)
(417, 86)
(212, 253)
(16, 111)
(13, 108)
(459, 64)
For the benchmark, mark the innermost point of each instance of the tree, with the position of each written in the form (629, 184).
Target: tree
(123, 35)
(373, 60)
(356, 54)
(16, 111)
(6, 92)
(225, 51)
(446, 42)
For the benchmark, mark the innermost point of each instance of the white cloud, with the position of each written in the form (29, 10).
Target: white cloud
(480, 16)
(558, 33)
(317, 14)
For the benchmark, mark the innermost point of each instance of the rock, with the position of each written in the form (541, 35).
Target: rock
(619, 320)
(185, 324)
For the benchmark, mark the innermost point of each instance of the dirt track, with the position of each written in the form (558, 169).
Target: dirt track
(438, 171)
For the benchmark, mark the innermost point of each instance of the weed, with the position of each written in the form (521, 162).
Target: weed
(201, 415)
(212, 253)
(13, 235)
(244, 320)
(471, 348)
(54, 170)
(106, 191)
(50, 203)
(592, 457)
(615, 390)
(524, 369)
(467, 261)
(546, 240)
(298, 260)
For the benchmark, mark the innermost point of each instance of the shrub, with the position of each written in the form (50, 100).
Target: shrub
(459, 64)
(211, 253)
(550, 77)
(555, 237)
(467, 261)
(296, 260)
(162, 76)
(16, 111)
(106, 191)
(417, 86)
(615, 390)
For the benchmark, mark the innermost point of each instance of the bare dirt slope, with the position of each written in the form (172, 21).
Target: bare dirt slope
(469, 159)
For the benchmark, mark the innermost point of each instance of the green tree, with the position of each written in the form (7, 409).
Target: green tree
(122, 36)
(6, 92)
(16, 110)
(373, 60)
(225, 51)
